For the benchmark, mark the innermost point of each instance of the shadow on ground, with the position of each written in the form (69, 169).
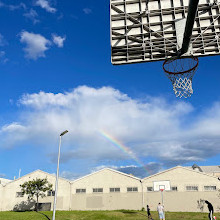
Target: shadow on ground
(43, 215)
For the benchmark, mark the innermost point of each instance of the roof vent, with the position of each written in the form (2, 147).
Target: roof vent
(196, 167)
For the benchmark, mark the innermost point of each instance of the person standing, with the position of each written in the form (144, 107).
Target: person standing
(160, 210)
(211, 210)
(148, 213)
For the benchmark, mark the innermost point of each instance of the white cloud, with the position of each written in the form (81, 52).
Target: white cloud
(14, 127)
(70, 175)
(17, 7)
(36, 45)
(2, 54)
(3, 59)
(45, 5)
(87, 11)
(13, 7)
(2, 175)
(152, 128)
(58, 40)
(32, 15)
(2, 40)
(137, 171)
(100, 167)
(142, 171)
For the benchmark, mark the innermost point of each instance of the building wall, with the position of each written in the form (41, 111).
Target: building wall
(182, 200)
(107, 200)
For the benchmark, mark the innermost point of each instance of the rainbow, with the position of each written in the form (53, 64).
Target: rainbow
(125, 149)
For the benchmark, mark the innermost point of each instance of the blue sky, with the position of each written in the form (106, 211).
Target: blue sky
(56, 74)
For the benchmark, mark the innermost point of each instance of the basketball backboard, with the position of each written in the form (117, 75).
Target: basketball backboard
(152, 30)
(162, 185)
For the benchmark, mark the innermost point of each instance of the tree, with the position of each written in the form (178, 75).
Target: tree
(36, 188)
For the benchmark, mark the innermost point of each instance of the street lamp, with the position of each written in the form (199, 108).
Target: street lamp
(56, 186)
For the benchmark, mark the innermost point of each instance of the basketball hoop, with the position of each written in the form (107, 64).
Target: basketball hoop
(161, 190)
(180, 71)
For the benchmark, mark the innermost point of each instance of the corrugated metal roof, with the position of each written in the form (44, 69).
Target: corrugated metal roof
(209, 169)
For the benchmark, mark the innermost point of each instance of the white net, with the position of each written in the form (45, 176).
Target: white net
(180, 72)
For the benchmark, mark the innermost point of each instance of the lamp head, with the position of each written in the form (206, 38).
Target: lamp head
(63, 133)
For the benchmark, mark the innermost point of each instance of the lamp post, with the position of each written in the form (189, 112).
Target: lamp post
(56, 186)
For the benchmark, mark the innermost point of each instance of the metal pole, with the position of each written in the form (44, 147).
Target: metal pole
(19, 175)
(192, 9)
(56, 186)
(162, 201)
(142, 194)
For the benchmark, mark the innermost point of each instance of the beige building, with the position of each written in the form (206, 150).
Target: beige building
(109, 189)
(188, 190)
(106, 189)
(11, 197)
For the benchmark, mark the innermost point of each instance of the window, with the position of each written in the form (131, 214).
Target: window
(50, 193)
(114, 189)
(192, 188)
(174, 188)
(132, 189)
(80, 190)
(97, 190)
(19, 194)
(150, 189)
(210, 188)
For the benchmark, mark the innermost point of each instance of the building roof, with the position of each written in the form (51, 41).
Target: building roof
(109, 169)
(4, 181)
(40, 172)
(207, 169)
(203, 170)
(210, 169)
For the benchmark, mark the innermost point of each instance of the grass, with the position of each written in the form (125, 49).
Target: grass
(101, 215)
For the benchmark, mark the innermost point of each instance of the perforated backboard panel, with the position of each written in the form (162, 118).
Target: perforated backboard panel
(143, 30)
(164, 185)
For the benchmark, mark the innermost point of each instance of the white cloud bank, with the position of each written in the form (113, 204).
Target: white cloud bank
(45, 5)
(36, 45)
(150, 128)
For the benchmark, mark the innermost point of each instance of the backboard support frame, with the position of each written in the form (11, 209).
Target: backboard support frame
(137, 36)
